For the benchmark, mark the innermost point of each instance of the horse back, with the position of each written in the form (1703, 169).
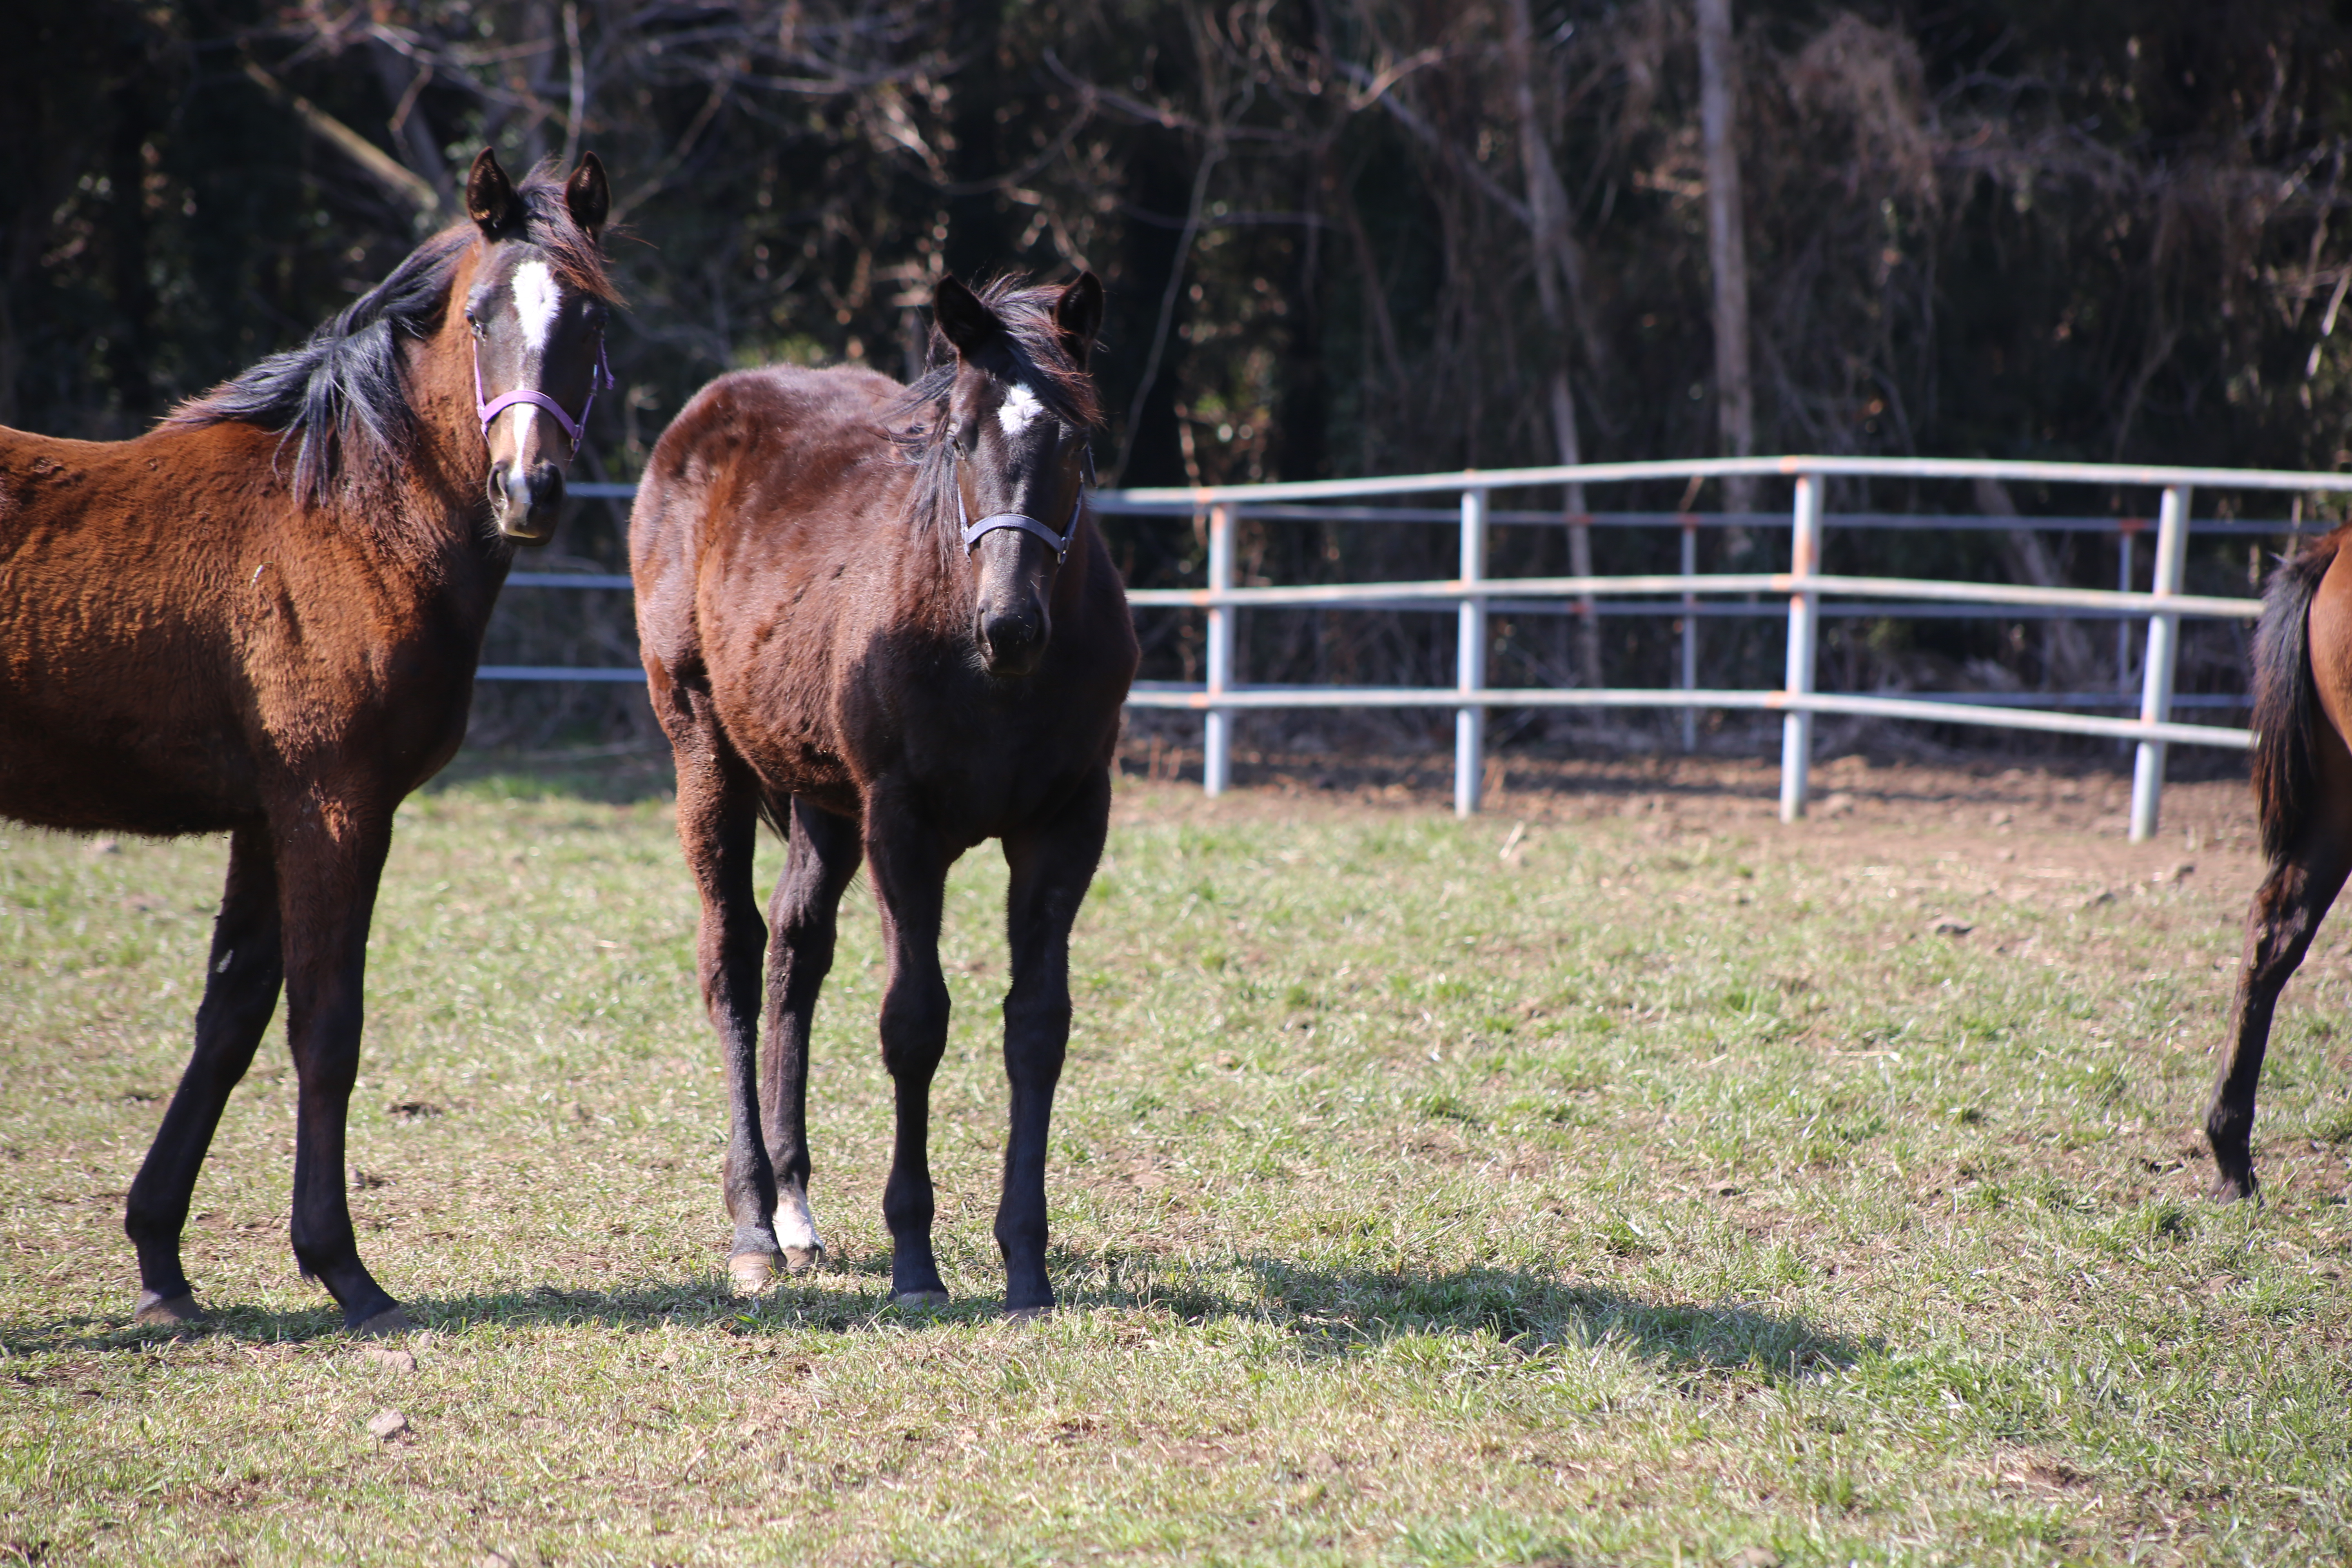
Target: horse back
(760, 465)
(758, 534)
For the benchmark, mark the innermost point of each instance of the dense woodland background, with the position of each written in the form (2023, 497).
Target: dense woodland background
(1340, 237)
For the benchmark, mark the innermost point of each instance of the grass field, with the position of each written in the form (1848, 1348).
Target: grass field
(1613, 1179)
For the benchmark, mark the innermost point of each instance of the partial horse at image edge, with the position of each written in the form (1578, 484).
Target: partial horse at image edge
(2303, 798)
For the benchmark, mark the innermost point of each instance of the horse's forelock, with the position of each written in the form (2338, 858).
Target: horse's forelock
(1027, 310)
(578, 256)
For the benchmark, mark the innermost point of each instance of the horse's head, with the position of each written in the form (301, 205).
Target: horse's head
(539, 344)
(1020, 410)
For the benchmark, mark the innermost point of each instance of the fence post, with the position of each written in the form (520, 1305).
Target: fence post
(1690, 631)
(1797, 728)
(2127, 529)
(1217, 733)
(1470, 660)
(2163, 648)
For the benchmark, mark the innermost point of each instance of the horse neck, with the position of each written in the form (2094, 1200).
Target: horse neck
(938, 568)
(445, 509)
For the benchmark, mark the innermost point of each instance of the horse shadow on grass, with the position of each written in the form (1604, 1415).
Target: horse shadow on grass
(1327, 1312)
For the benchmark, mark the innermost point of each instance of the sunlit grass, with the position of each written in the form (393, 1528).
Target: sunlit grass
(1648, 1196)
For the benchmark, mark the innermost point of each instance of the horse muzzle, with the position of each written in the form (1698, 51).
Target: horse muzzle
(525, 502)
(1012, 641)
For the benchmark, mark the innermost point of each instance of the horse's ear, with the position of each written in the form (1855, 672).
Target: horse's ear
(968, 323)
(490, 199)
(587, 194)
(1078, 313)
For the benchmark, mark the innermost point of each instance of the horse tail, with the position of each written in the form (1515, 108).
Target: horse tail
(2286, 703)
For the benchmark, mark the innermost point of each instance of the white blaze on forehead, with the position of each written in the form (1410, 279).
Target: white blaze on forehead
(1020, 406)
(536, 300)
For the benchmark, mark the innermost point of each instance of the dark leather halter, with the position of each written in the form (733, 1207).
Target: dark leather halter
(972, 531)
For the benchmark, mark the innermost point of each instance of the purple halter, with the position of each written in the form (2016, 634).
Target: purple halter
(972, 531)
(602, 380)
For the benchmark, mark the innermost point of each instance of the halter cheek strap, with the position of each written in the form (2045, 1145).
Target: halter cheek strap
(972, 531)
(490, 408)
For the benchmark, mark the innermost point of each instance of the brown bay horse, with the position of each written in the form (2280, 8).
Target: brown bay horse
(882, 618)
(2303, 797)
(262, 618)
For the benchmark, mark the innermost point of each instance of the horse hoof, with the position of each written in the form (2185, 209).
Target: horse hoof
(920, 1300)
(2237, 1186)
(169, 1311)
(800, 1260)
(1029, 1314)
(752, 1271)
(387, 1324)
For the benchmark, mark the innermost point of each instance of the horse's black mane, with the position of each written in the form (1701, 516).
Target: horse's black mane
(918, 424)
(340, 397)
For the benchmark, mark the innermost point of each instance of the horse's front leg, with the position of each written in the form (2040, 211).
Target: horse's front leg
(718, 828)
(331, 856)
(823, 856)
(911, 868)
(1051, 867)
(242, 977)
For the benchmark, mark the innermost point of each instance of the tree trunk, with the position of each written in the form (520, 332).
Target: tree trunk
(414, 133)
(1726, 252)
(2066, 646)
(1556, 267)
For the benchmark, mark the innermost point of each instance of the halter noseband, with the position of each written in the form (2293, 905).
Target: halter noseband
(996, 520)
(490, 408)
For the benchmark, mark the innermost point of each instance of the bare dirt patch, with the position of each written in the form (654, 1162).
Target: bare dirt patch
(2060, 821)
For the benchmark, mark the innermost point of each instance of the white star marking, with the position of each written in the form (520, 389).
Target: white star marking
(1020, 406)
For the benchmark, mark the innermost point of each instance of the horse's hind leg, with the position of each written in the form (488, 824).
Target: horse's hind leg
(823, 856)
(242, 977)
(2286, 912)
(1050, 868)
(910, 879)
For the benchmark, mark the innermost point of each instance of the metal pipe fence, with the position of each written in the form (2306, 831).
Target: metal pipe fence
(1811, 595)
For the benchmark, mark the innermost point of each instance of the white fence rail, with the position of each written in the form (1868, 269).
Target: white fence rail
(1222, 696)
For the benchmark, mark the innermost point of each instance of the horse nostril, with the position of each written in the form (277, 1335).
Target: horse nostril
(1010, 634)
(1013, 641)
(546, 487)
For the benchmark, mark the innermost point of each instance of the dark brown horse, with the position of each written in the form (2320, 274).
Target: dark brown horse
(263, 617)
(2302, 795)
(882, 618)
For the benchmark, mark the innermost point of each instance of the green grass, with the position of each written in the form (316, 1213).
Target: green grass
(1650, 1197)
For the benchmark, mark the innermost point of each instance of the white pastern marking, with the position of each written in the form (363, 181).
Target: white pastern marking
(1019, 407)
(536, 300)
(794, 1225)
